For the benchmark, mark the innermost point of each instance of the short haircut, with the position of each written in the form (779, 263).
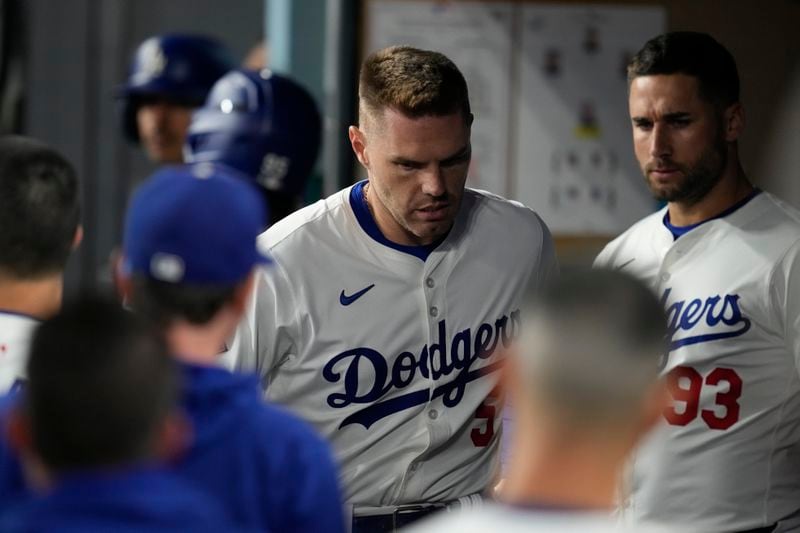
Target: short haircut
(163, 303)
(593, 346)
(39, 208)
(100, 381)
(414, 82)
(693, 54)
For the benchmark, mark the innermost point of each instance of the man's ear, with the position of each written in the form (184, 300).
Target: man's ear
(734, 122)
(359, 143)
(77, 239)
(17, 432)
(122, 279)
(242, 292)
(656, 400)
(173, 437)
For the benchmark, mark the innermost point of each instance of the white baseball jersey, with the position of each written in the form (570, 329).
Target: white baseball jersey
(507, 519)
(727, 456)
(390, 356)
(16, 331)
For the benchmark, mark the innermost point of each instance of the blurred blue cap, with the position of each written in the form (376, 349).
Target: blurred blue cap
(195, 224)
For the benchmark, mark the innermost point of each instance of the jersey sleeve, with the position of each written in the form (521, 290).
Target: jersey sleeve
(548, 268)
(785, 287)
(545, 267)
(267, 333)
(604, 258)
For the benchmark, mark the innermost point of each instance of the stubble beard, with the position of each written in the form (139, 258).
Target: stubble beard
(699, 178)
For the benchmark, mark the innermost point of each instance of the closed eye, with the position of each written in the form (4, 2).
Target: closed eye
(642, 123)
(407, 166)
(458, 159)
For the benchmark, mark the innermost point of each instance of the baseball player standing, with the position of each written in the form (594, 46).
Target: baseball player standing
(385, 315)
(576, 420)
(39, 228)
(170, 75)
(725, 259)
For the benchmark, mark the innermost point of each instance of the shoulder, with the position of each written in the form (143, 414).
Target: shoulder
(493, 215)
(637, 237)
(317, 219)
(490, 204)
(773, 214)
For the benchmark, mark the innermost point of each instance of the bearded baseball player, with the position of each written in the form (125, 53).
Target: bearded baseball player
(390, 303)
(725, 259)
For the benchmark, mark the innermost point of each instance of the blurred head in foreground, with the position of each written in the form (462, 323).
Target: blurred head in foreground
(585, 387)
(100, 394)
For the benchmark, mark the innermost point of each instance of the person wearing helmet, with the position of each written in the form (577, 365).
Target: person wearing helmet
(169, 77)
(264, 125)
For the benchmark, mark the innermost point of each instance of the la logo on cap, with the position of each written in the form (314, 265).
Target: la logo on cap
(167, 267)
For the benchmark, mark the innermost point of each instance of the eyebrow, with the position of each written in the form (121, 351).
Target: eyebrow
(677, 115)
(462, 153)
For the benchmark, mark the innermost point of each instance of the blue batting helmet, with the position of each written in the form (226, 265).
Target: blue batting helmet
(179, 68)
(262, 124)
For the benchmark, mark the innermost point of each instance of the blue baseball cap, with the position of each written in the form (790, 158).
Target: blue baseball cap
(194, 224)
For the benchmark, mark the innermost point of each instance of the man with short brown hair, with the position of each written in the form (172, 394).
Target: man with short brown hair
(383, 318)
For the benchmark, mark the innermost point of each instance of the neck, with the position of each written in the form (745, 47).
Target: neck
(733, 187)
(386, 224)
(39, 298)
(576, 471)
(198, 343)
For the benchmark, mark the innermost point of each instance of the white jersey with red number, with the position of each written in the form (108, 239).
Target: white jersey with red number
(507, 519)
(16, 331)
(727, 457)
(392, 357)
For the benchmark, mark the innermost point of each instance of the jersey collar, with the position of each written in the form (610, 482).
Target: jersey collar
(678, 231)
(358, 201)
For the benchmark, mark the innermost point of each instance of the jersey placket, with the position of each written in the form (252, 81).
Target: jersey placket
(433, 287)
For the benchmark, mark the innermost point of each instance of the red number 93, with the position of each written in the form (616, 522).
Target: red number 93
(685, 385)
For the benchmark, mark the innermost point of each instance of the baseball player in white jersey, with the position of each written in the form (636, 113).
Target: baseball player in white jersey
(725, 259)
(39, 227)
(389, 304)
(576, 421)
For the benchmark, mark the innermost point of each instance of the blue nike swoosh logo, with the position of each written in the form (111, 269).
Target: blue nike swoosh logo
(347, 300)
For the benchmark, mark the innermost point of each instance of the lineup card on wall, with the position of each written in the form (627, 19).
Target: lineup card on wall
(574, 161)
(477, 36)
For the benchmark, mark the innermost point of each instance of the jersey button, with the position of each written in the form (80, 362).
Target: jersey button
(664, 276)
(433, 414)
(429, 283)
(434, 311)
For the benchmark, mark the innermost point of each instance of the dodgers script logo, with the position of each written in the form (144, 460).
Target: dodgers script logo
(436, 361)
(719, 312)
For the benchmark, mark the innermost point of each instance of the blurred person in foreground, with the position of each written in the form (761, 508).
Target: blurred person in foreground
(189, 264)
(584, 382)
(92, 425)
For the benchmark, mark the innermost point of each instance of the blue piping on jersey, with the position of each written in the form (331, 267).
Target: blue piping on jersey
(359, 204)
(678, 231)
